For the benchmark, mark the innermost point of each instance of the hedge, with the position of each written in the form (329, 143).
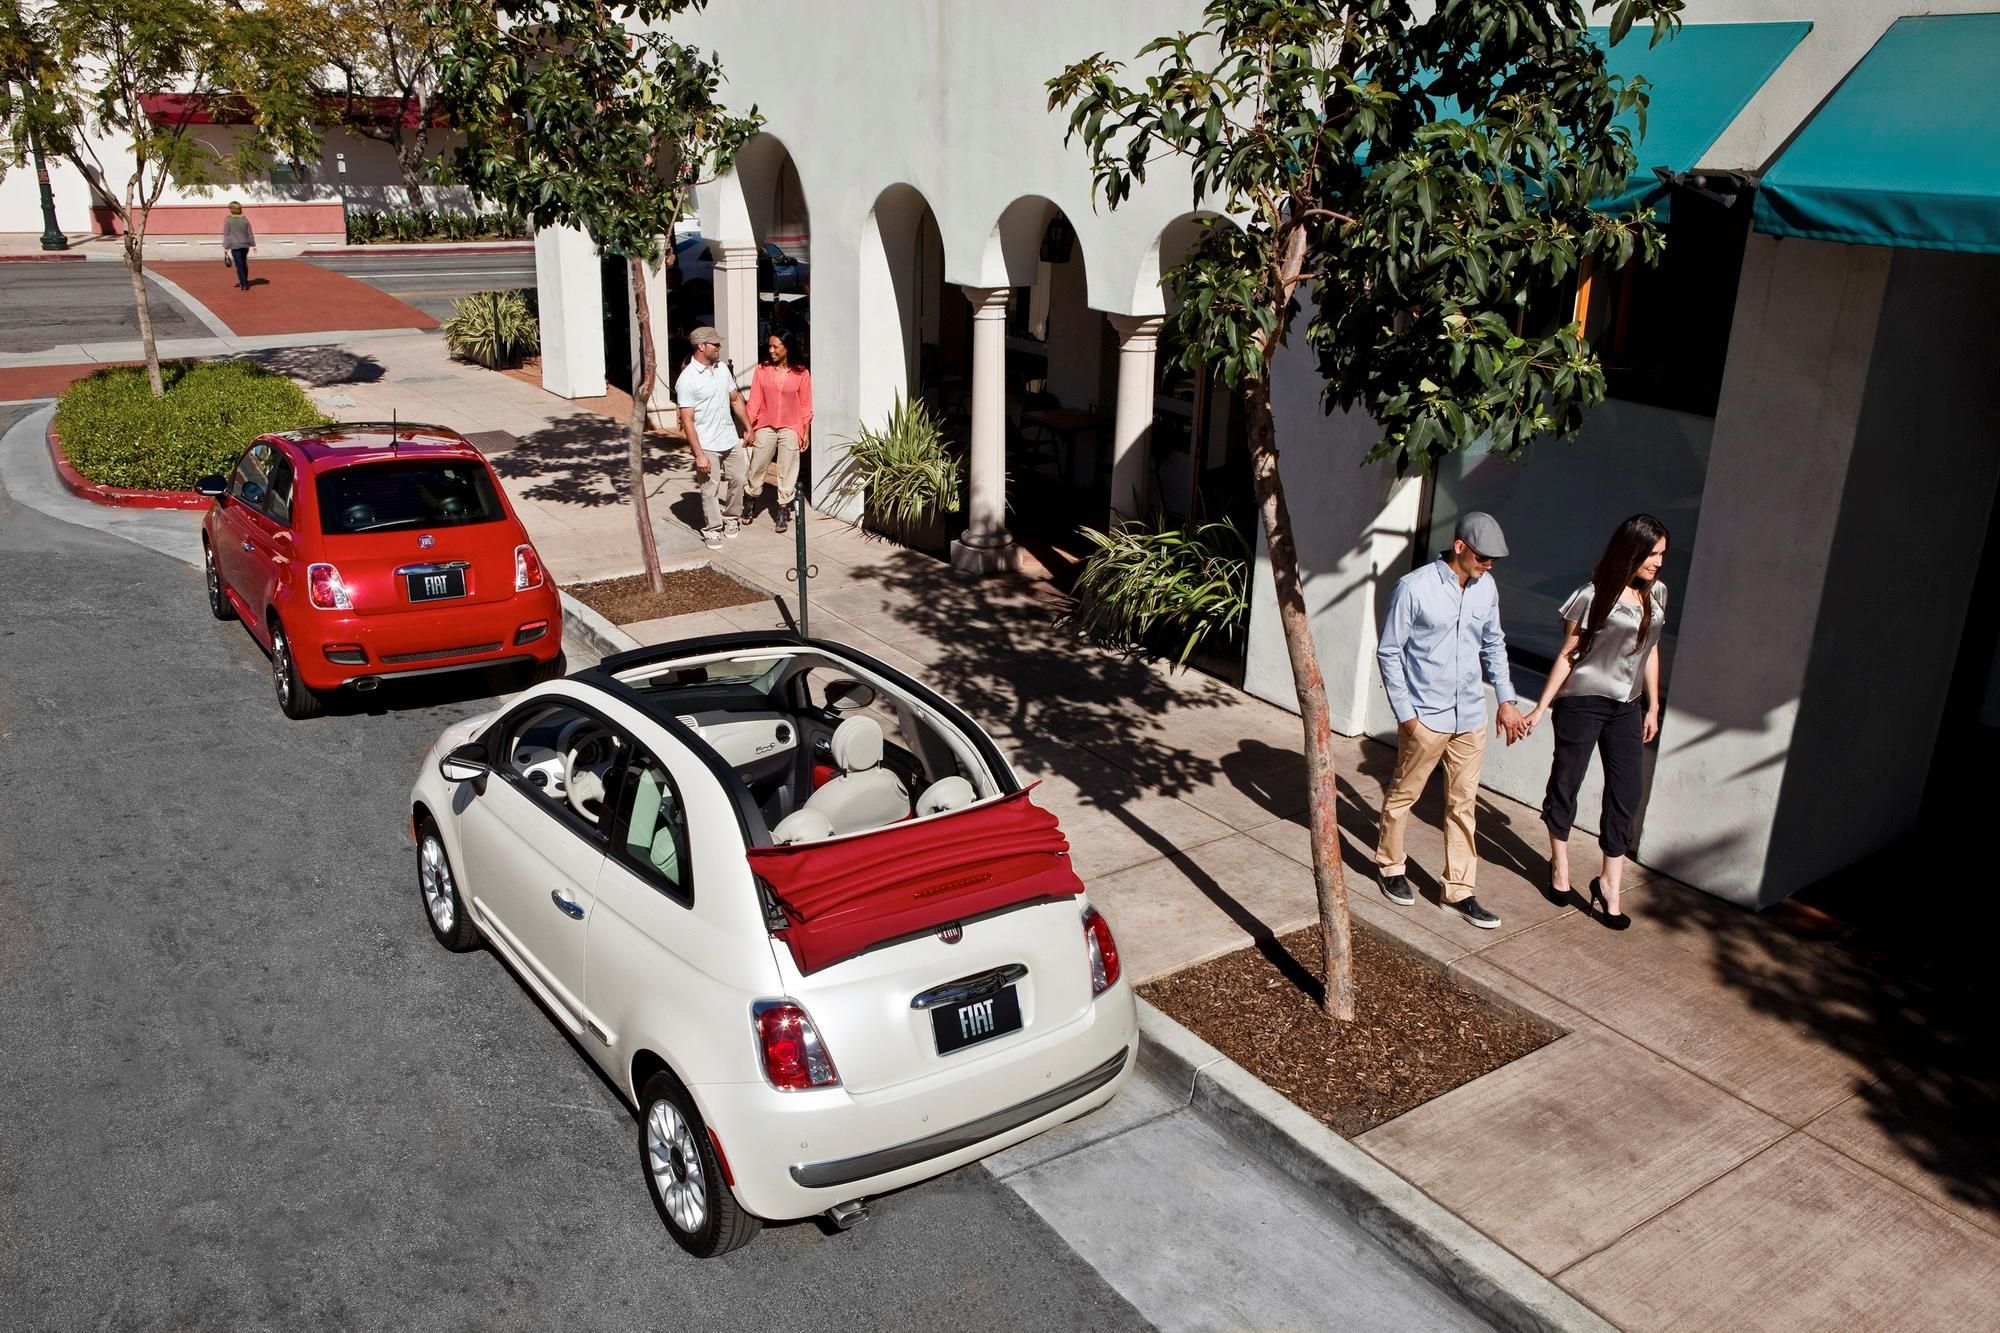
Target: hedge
(115, 432)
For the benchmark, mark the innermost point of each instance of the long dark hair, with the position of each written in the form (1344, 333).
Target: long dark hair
(791, 342)
(1618, 569)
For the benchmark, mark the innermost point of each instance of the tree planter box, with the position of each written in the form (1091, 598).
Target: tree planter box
(118, 496)
(932, 537)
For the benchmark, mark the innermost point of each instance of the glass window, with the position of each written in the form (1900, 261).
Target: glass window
(377, 497)
(278, 495)
(655, 824)
(1560, 506)
(252, 476)
(563, 756)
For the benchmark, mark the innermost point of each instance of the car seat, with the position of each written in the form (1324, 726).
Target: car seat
(952, 793)
(802, 826)
(865, 795)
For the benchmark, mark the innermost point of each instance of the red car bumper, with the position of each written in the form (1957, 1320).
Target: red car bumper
(336, 648)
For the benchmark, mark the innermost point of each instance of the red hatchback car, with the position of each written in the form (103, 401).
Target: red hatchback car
(355, 553)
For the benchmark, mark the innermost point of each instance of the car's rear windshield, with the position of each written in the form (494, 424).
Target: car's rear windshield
(381, 497)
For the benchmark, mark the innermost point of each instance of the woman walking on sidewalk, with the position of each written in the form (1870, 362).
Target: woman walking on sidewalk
(1604, 691)
(781, 411)
(239, 241)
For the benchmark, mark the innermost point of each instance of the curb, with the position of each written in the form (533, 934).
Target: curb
(591, 630)
(419, 248)
(116, 497)
(58, 257)
(1414, 1226)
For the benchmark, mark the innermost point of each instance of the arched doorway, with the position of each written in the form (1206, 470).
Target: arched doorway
(915, 331)
(1196, 467)
(751, 263)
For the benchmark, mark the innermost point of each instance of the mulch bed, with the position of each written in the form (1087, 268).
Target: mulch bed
(624, 601)
(1417, 1033)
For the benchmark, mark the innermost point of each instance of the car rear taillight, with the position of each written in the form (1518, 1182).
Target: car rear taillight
(328, 593)
(1103, 951)
(794, 1057)
(527, 568)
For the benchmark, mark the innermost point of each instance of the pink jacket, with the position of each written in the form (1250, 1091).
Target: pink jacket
(782, 400)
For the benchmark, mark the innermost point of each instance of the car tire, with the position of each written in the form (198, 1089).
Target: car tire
(684, 1176)
(298, 700)
(218, 599)
(437, 884)
(534, 673)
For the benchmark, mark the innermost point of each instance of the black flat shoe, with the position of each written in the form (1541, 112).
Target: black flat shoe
(1601, 909)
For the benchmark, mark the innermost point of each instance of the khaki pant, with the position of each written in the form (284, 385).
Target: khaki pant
(722, 488)
(767, 444)
(1416, 756)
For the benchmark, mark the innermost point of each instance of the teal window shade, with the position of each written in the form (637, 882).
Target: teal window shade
(1906, 151)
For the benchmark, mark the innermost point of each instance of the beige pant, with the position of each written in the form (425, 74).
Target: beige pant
(1416, 756)
(771, 443)
(722, 488)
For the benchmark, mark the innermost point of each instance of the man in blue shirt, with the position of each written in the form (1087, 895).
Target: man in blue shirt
(1441, 644)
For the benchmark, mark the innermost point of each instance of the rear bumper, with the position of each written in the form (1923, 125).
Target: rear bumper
(335, 648)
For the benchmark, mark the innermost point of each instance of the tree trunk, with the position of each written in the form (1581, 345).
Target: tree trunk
(642, 393)
(410, 155)
(135, 265)
(1336, 932)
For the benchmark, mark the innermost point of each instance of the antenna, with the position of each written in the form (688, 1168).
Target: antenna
(392, 430)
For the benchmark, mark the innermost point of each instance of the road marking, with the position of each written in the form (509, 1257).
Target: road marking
(437, 272)
(194, 307)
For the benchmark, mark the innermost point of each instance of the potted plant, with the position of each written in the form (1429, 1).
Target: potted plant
(909, 479)
(1179, 594)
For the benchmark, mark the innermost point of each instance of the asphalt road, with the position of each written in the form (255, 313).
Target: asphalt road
(432, 283)
(55, 305)
(244, 1088)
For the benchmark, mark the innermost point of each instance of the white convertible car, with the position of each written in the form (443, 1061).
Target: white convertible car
(797, 906)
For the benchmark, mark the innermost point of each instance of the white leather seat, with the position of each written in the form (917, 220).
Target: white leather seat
(952, 793)
(802, 826)
(865, 795)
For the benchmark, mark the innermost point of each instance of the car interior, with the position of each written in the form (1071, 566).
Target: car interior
(825, 747)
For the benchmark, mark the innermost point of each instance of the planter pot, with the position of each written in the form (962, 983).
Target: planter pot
(933, 536)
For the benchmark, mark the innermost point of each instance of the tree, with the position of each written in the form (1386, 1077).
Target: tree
(81, 76)
(583, 113)
(384, 55)
(1418, 180)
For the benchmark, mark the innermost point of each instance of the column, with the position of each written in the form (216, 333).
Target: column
(569, 291)
(1132, 428)
(986, 547)
(736, 303)
(660, 409)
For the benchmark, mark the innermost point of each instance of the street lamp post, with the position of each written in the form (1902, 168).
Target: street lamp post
(52, 235)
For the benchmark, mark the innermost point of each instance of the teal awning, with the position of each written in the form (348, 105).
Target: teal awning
(1701, 79)
(1906, 151)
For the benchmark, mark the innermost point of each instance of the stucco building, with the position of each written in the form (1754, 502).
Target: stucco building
(1804, 392)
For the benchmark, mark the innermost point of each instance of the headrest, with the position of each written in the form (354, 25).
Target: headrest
(857, 745)
(802, 826)
(952, 793)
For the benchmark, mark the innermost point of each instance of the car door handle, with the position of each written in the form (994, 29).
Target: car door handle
(569, 906)
(248, 547)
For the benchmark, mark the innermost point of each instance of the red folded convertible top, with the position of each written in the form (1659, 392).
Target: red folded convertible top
(844, 896)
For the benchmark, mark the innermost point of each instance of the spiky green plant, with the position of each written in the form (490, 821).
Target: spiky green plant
(1147, 590)
(904, 471)
(494, 329)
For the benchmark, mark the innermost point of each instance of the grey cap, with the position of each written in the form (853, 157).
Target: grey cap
(1482, 533)
(705, 334)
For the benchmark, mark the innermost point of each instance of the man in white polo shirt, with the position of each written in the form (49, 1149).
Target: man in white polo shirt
(717, 427)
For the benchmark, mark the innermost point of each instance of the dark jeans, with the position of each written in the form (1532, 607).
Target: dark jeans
(242, 258)
(1614, 730)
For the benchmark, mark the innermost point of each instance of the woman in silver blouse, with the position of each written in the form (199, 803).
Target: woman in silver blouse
(1604, 694)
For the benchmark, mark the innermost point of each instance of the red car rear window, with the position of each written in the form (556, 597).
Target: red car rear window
(843, 897)
(381, 497)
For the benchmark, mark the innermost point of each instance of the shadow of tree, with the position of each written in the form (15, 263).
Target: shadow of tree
(581, 459)
(320, 367)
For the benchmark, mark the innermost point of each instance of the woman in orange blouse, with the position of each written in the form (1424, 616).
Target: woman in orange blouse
(781, 410)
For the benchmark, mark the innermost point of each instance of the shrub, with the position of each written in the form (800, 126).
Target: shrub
(494, 329)
(1150, 591)
(369, 226)
(115, 432)
(905, 473)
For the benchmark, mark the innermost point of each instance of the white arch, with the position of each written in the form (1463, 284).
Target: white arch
(1169, 246)
(1014, 246)
(891, 279)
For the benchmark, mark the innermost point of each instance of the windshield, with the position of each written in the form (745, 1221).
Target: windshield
(758, 672)
(377, 497)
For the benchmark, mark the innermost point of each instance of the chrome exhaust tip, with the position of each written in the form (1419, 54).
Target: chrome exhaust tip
(845, 1215)
(367, 683)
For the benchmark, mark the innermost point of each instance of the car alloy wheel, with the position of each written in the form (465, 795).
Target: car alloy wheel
(442, 905)
(684, 1174)
(294, 697)
(218, 600)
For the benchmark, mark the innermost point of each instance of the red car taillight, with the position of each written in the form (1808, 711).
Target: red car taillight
(527, 568)
(1103, 951)
(328, 593)
(794, 1057)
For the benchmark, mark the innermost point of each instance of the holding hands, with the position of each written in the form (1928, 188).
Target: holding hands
(1511, 723)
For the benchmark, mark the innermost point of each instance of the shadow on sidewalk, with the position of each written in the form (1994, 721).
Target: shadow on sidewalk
(320, 367)
(582, 460)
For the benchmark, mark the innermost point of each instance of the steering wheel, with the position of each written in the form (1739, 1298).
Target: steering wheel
(584, 744)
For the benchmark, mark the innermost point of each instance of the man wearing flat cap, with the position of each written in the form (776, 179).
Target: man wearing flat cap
(717, 426)
(1441, 646)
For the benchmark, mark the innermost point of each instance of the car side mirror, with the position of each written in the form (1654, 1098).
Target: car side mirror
(467, 763)
(848, 696)
(211, 486)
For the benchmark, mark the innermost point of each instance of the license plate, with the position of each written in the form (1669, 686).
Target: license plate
(434, 586)
(958, 1026)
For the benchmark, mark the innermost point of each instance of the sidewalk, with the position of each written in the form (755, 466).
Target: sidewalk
(1744, 1127)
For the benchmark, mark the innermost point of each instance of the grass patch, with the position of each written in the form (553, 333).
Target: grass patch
(117, 434)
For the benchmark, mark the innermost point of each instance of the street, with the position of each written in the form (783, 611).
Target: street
(433, 283)
(246, 1088)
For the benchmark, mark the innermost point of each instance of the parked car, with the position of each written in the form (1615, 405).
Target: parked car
(356, 554)
(779, 273)
(796, 906)
(692, 258)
